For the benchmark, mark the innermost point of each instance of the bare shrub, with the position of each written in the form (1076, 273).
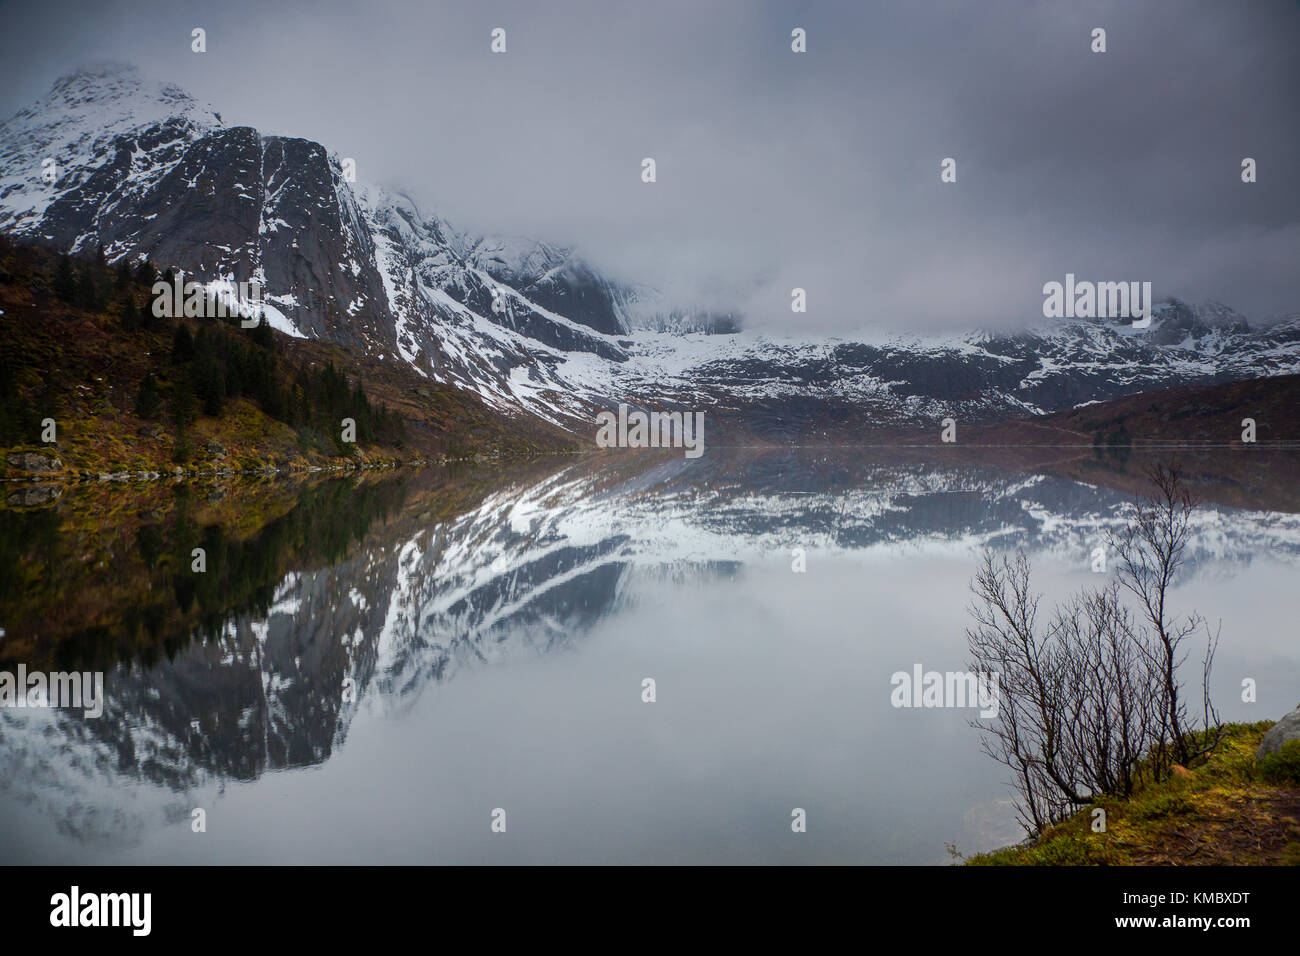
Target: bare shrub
(1150, 551)
(1090, 702)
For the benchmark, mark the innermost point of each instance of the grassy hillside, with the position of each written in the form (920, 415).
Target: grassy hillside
(132, 393)
(1223, 811)
(1192, 414)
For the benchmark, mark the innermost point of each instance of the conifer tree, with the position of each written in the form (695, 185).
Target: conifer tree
(65, 281)
(182, 345)
(130, 315)
(87, 293)
(148, 400)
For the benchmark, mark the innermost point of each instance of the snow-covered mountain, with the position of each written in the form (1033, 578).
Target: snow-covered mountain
(144, 170)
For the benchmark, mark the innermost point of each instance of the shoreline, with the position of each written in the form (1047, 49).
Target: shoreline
(1225, 810)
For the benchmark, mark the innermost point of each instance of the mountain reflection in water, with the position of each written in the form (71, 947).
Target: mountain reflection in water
(441, 644)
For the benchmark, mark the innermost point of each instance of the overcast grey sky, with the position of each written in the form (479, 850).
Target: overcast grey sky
(778, 169)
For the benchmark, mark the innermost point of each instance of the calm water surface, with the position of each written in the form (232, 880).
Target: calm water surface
(367, 670)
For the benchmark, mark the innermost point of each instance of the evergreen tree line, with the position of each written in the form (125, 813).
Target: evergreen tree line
(220, 363)
(202, 372)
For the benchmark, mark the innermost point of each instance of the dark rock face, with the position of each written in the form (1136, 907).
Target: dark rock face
(35, 461)
(236, 205)
(478, 295)
(1180, 321)
(316, 244)
(200, 215)
(552, 278)
(577, 292)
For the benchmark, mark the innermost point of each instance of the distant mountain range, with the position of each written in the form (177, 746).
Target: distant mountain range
(144, 170)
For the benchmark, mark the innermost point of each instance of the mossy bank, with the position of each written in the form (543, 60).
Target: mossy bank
(1225, 810)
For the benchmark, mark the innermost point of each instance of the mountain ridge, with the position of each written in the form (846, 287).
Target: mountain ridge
(528, 325)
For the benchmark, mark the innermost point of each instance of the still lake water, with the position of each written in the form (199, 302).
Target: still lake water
(369, 668)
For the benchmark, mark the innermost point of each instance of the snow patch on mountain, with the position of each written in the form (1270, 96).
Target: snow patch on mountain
(529, 325)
